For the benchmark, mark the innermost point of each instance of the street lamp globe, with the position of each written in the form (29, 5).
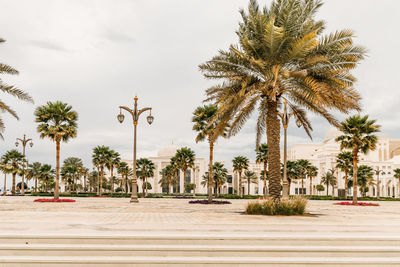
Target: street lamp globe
(298, 123)
(31, 144)
(16, 143)
(120, 117)
(150, 119)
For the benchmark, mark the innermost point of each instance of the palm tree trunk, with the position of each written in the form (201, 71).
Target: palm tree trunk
(35, 184)
(210, 171)
(145, 182)
(143, 185)
(216, 190)
(327, 189)
(45, 188)
(333, 191)
(184, 181)
(84, 183)
(265, 180)
(57, 185)
(274, 153)
(302, 184)
(355, 169)
(240, 185)
(5, 184)
(310, 186)
(112, 179)
(69, 188)
(345, 185)
(248, 187)
(13, 183)
(101, 179)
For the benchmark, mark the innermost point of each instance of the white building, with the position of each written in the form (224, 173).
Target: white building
(386, 157)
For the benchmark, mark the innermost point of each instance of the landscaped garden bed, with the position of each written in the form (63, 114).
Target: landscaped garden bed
(357, 204)
(205, 201)
(54, 200)
(295, 206)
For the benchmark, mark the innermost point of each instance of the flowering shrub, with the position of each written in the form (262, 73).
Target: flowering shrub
(205, 201)
(54, 200)
(358, 204)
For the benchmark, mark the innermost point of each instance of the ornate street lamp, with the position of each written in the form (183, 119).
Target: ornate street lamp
(135, 117)
(285, 116)
(23, 141)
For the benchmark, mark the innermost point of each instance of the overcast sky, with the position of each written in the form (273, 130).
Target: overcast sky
(96, 55)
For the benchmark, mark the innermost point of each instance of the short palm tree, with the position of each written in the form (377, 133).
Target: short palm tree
(5, 169)
(220, 175)
(262, 158)
(240, 163)
(46, 175)
(329, 179)
(344, 161)
(15, 161)
(125, 171)
(250, 177)
(312, 172)
(282, 55)
(58, 122)
(144, 169)
(205, 125)
(293, 172)
(185, 158)
(303, 166)
(365, 178)
(168, 178)
(397, 175)
(76, 165)
(113, 162)
(101, 155)
(358, 136)
(33, 172)
(68, 174)
(10, 90)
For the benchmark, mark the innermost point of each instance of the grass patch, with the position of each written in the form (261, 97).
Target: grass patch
(294, 206)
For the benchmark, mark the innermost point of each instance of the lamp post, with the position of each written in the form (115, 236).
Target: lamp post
(377, 172)
(23, 141)
(285, 116)
(135, 117)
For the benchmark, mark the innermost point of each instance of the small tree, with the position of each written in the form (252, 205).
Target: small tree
(320, 188)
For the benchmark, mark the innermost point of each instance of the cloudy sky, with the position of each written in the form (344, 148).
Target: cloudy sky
(96, 55)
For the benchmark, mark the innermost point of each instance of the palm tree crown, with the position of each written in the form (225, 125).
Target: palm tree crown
(185, 158)
(240, 163)
(282, 55)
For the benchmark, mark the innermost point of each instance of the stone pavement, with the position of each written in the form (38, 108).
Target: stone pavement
(116, 216)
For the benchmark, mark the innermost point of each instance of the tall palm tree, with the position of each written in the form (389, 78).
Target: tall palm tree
(144, 169)
(101, 155)
(359, 136)
(250, 177)
(282, 55)
(344, 161)
(312, 172)
(15, 161)
(58, 122)
(10, 90)
(33, 172)
(240, 163)
(113, 162)
(185, 158)
(262, 158)
(303, 166)
(168, 178)
(46, 175)
(328, 179)
(205, 125)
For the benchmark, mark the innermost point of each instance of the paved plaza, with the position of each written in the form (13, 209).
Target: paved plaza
(114, 216)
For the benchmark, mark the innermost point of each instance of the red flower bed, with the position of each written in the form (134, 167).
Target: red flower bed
(358, 204)
(54, 200)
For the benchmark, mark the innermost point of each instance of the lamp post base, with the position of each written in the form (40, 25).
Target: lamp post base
(134, 200)
(285, 190)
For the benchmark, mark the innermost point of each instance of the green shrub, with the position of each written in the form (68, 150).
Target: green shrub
(294, 206)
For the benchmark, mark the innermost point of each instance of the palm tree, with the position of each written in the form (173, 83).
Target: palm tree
(365, 178)
(10, 90)
(185, 158)
(33, 172)
(220, 174)
(282, 55)
(5, 169)
(312, 172)
(168, 177)
(240, 163)
(68, 174)
(15, 161)
(262, 158)
(293, 172)
(144, 169)
(205, 125)
(58, 122)
(113, 162)
(101, 155)
(397, 175)
(303, 166)
(125, 171)
(344, 161)
(73, 167)
(359, 136)
(250, 177)
(329, 179)
(46, 175)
